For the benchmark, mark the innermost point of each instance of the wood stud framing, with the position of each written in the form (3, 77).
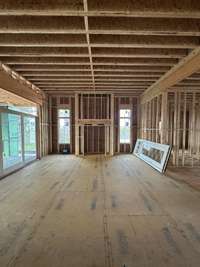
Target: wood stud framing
(98, 41)
(43, 129)
(176, 122)
(97, 123)
(147, 50)
(94, 113)
(186, 67)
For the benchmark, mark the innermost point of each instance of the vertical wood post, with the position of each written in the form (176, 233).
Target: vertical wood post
(76, 124)
(184, 127)
(193, 132)
(164, 119)
(112, 126)
(175, 128)
(157, 119)
(50, 124)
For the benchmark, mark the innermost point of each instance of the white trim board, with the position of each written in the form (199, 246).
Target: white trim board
(154, 154)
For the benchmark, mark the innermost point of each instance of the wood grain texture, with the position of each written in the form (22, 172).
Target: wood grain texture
(97, 211)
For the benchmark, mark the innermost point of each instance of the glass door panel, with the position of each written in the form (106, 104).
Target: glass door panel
(29, 138)
(12, 140)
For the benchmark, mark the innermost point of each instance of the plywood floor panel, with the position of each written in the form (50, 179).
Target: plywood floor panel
(97, 212)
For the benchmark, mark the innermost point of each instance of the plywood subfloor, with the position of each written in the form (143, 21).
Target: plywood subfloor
(188, 175)
(65, 211)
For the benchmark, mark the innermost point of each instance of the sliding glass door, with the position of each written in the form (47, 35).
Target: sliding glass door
(11, 139)
(18, 139)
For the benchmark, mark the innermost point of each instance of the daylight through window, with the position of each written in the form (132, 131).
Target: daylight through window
(125, 126)
(64, 126)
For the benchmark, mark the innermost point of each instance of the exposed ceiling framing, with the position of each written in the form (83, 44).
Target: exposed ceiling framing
(9, 98)
(125, 46)
(178, 74)
(13, 83)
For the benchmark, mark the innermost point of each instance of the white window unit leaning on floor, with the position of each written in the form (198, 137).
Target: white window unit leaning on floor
(155, 154)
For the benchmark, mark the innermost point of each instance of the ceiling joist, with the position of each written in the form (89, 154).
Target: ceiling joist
(115, 8)
(100, 44)
(185, 68)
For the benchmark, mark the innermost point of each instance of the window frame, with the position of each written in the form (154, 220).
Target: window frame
(4, 172)
(130, 119)
(10, 138)
(58, 125)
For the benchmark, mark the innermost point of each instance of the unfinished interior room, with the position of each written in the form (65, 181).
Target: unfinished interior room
(100, 133)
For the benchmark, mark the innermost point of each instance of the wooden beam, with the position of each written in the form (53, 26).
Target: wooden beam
(76, 125)
(182, 70)
(144, 26)
(150, 41)
(155, 8)
(45, 60)
(44, 40)
(112, 137)
(129, 74)
(96, 52)
(113, 68)
(99, 25)
(85, 6)
(36, 24)
(100, 40)
(98, 85)
(137, 91)
(86, 61)
(44, 67)
(135, 61)
(128, 79)
(53, 51)
(19, 87)
(108, 79)
(120, 68)
(84, 73)
(138, 52)
(94, 121)
(184, 88)
(71, 83)
(54, 79)
(55, 74)
(7, 97)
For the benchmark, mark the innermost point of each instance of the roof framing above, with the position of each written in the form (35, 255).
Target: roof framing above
(134, 8)
(98, 45)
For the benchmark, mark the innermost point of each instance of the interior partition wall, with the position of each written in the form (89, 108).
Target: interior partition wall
(125, 123)
(61, 122)
(18, 139)
(174, 118)
(94, 123)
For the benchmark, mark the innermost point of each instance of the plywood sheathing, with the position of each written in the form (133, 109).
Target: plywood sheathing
(97, 211)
